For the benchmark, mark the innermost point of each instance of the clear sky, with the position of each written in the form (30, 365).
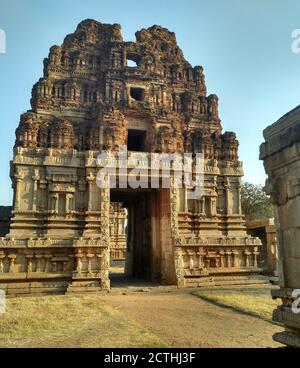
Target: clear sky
(243, 45)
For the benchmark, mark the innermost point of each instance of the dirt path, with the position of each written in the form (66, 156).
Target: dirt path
(183, 320)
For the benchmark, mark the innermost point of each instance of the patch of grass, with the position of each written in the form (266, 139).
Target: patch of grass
(256, 302)
(70, 321)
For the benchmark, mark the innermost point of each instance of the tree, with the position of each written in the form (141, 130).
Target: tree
(256, 204)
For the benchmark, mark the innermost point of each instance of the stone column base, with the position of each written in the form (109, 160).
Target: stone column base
(288, 338)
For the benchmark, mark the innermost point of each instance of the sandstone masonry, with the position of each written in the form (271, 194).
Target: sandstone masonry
(99, 92)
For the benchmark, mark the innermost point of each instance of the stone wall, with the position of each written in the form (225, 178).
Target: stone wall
(281, 155)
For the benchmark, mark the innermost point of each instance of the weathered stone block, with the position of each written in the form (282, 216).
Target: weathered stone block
(281, 157)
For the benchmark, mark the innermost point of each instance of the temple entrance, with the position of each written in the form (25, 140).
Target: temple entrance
(147, 236)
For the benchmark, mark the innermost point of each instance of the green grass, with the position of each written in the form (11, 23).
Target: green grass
(252, 301)
(70, 321)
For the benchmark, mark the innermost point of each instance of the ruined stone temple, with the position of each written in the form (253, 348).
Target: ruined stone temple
(281, 155)
(99, 92)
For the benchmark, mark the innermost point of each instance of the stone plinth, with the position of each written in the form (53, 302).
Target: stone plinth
(281, 155)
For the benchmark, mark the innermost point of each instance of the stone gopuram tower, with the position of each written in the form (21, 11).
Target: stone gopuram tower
(98, 93)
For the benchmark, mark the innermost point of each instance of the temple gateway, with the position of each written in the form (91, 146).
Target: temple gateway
(97, 93)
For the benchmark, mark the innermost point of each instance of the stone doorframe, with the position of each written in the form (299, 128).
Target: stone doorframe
(165, 255)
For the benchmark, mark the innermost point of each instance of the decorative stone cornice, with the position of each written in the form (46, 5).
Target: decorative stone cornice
(282, 134)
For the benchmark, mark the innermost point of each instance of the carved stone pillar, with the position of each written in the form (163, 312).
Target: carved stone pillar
(35, 179)
(185, 202)
(247, 255)
(43, 194)
(72, 200)
(54, 203)
(213, 206)
(69, 203)
(177, 241)
(200, 255)
(54, 266)
(18, 180)
(12, 258)
(235, 255)
(29, 258)
(228, 258)
(255, 255)
(191, 261)
(227, 196)
(65, 266)
(67, 209)
(222, 258)
(39, 258)
(2, 256)
(202, 205)
(104, 273)
(78, 257)
(89, 259)
(47, 262)
(105, 235)
(281, 155)
(99, 258)
(90, 179)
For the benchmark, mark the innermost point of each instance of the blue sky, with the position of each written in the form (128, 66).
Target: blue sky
(243, 45)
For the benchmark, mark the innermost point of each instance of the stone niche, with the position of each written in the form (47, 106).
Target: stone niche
(100, 92)
(281, 155)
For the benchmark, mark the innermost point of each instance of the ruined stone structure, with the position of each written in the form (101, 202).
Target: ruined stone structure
(281, 156)
(265, 230)
(93, 97)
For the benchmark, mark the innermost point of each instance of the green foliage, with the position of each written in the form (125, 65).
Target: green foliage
(255, 202)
